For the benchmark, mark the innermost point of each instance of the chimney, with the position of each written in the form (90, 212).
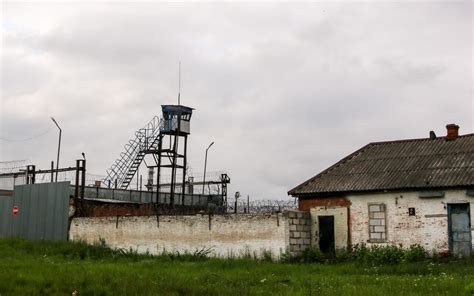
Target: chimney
(453, 131)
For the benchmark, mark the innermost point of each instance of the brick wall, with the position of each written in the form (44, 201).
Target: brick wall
(110, 210)
(305, 204)
(299, 230)
(92, 208)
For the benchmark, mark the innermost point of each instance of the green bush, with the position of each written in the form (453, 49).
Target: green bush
(285, 257)
(388, 254)
(415, 253)
(313, 255)
(197, 255)
(373, 255)
(267, 256)
(344, 255)
(469, 289)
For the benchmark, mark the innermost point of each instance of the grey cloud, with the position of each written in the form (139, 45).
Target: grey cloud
(397, 69)
(283, 89)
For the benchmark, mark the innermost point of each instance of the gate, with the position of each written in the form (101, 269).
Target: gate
(36, 211)
(459, 229)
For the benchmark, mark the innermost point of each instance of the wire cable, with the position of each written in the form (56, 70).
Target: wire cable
(27, 139)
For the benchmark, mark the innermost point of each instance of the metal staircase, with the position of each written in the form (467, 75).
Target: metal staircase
(125, 167)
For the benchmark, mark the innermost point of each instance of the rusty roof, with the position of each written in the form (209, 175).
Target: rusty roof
(398, 165)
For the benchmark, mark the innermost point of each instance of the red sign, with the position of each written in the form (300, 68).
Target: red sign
(15, 210)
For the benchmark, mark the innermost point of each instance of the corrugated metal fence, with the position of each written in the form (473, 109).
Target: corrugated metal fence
(36, 211)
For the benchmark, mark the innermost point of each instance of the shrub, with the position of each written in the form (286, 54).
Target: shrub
(343, 255)
(469, 288)
(415, 253)
(267, 256)
(197, 255)
(285, 257)
(313, 255)
(203, 253)
(390, 254)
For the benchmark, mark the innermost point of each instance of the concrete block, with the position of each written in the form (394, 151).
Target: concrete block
(303, 221)
(296, 234)
(379, 228)
(374, 208)
(304, 247)
(380, 215)
(374, 235)
(307, 241)
(375, 222)
(293, 241)
(299, 227)
(293, 227)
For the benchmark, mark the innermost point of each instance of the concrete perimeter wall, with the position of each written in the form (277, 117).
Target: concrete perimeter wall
(232, 235)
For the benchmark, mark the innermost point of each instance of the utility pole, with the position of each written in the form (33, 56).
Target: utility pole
(205, 164)
(59, 148)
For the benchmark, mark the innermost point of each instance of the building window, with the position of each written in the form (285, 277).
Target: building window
(377, 222)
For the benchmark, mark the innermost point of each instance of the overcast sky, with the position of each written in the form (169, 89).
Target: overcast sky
(284, 90)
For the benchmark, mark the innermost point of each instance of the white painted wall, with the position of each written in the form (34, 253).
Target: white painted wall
(340, 225)
(230, 235)
(429, 232)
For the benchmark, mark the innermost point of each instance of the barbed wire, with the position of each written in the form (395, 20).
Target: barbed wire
(12, 166)
(261, 206)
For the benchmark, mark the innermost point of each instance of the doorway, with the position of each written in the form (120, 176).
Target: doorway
(459, 229)
(326, 234)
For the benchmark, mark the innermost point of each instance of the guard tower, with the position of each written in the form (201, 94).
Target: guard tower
(172, 148)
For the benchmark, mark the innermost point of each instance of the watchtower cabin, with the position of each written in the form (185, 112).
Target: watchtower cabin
(172, 149)
(176, 118)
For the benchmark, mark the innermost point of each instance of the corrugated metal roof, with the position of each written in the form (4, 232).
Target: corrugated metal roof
(403, 164)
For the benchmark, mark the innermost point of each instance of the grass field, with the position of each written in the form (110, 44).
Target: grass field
(45, 268)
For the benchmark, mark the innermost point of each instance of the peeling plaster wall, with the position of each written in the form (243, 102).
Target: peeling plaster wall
(227, 235)
(428, 228)
(340, 224)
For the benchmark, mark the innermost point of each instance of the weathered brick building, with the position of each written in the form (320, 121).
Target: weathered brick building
(417, 191)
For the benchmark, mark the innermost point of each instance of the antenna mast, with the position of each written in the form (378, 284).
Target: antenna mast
(179, 84)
